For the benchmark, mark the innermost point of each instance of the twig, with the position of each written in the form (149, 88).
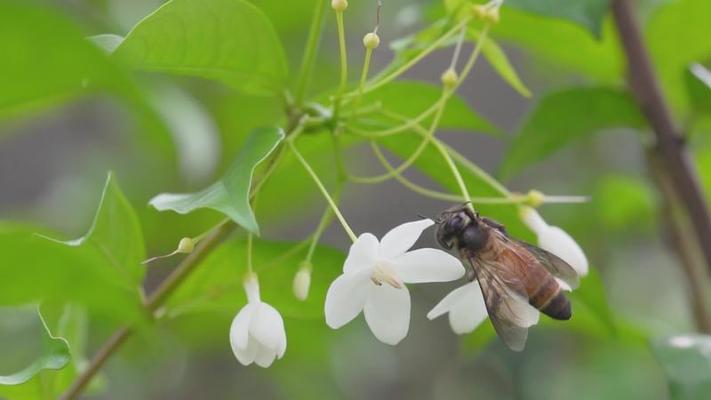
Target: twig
(670, 144)
(154, 302)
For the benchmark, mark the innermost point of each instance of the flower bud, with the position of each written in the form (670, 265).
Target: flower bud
(535, 198)
(339, 5)
(449, 78)
(371, 41)
(185, 246)
(479, 11)
(302, 281)
(492, 16)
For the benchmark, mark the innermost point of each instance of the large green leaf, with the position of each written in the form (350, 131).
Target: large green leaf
(687, 362)
(217, 284)
(561, 117)
(587, 13)
(411, 98)
(676, 34)
(231, 41)
(54, 355)
(100, 270)
(116, 233)
(47, 61)
(698, 86)
(229, 195)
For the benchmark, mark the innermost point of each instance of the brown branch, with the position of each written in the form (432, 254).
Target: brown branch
(153, 303)
(676, 230)
(670, 144)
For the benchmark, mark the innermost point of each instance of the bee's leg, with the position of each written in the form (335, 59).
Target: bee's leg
(471, 275)
(499, 227)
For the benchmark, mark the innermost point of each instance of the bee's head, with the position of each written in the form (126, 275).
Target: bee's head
(452, 222)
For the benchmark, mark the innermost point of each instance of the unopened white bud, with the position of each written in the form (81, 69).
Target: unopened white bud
(449, 78)
(339, 5)
(302, 281)
(371, 40)
(185, 246)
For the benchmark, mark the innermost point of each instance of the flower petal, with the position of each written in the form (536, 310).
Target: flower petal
(239, 331)
(532, 219)
(346, 296)
(402, 237)
(362, 254)
(387, 312)
(267, 327)
(247, 355)
(450, 300)
(427, 265)
(560, 243)
(265, 357)
(469, 311)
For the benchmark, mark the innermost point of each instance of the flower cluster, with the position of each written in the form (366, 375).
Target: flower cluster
(374, 282)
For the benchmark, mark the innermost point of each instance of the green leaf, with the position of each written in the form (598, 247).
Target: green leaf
(556, 45)
(687, 362)
(501, 64)
(217, 284)
(230, 41)
(624, 203)
(101, 270)
(698, 87)
(37, 72)
(229, 195)
(564, 116)
(675, 33)
(586, 13)
(116, 233)
(411, 98)
(54, 355)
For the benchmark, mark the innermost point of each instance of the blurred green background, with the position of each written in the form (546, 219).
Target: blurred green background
(163, 133)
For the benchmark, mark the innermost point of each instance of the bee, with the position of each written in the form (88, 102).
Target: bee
(512, 274)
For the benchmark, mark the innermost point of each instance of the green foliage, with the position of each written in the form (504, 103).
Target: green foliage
(420, 97)
(101, 270)
(624, 203)
(217, 285)
(698, 86)
(587, 13)
(55, 354)
(564, 116)
(230, 195)
(230, 41)
(687, 362)
(501, 64)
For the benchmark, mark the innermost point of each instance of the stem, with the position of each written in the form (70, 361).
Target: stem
(363, 77)
(250, 239)
(322, 225)
(342, 51)
(415, 155)
(455, 171)
(436, 44)
(155, 300)
(323, 190)
(312, 43)
(670, 143)
(676, 230)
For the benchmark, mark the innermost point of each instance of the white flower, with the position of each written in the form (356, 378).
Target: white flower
(467, 309)
(373, 280)
(555, 240)
(257, 333)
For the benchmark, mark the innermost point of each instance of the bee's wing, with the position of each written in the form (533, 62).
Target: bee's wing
(506, 302)
(553, 264)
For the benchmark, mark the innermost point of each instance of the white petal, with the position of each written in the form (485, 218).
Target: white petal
(362, 254)
(265, 357)
(346, 296)
(387, 312)
(246, 356)
(469, 311)
(239, 331)
(532, 219)
(427, 265)
(402, 237)
(558, 242)
(452, 298)
(267, 327)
